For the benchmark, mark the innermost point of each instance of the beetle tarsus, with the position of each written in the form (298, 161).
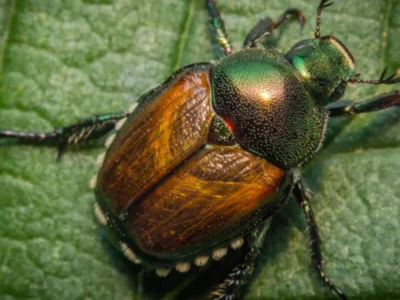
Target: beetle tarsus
(266, 26)
(323, 4)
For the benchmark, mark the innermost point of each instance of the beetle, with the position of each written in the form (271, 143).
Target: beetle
(218, 147)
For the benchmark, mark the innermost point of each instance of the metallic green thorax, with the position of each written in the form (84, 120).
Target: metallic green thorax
(325, 65)
(268, 107)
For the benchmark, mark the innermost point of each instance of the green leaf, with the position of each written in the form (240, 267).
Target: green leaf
(65, 60)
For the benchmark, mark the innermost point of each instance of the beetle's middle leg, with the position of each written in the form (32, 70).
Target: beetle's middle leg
(73, 134)
(240, 273)
(265, 26)
(315, 241)
(218, 26)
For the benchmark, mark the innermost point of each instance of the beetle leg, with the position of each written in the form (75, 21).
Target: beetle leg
(378, 102)
(235, 279)
(240, 273)
(218, 26)
(264, 27)
(73, 134)
(315, 241)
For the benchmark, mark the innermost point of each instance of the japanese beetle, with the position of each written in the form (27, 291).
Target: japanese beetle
(238, 118)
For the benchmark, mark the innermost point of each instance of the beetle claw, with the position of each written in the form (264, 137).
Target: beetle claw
(323, 4)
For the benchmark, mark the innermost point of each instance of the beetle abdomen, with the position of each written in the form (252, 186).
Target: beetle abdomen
(220, 193)
(153, 141)
(267, 106)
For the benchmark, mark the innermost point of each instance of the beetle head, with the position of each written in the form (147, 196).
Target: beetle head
(324, 63)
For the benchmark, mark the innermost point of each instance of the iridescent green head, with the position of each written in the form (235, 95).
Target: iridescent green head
(325, 64)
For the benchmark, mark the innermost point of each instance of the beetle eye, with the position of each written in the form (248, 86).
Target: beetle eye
(339, 91)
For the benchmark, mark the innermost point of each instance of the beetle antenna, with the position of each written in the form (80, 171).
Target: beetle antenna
(382, 80)
(321, 6)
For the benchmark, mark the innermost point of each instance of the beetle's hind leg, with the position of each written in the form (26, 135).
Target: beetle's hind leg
(315, 241)
(228, 289)
(218, 26)
(240, 273)
(84, 129)
(266, 26)
(378, 102)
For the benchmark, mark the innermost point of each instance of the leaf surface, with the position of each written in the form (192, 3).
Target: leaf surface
(65, 60)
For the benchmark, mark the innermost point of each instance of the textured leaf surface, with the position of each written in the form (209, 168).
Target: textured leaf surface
(64, 60)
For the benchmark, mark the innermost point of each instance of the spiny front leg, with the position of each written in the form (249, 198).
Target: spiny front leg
(218, 26)
(376, 103)
(266, 26)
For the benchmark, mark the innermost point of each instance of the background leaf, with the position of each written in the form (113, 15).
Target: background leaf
(65, 60)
